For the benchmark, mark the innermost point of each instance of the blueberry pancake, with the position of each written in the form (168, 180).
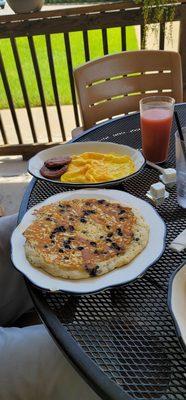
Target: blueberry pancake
(84, 238)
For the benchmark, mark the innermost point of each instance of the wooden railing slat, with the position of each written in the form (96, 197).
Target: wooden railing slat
(23, 87)
(105, 41)
(10, 99)
(54, 84)
(2, 130)
(40, 86)
(123, 38)
(142, 36)
(162, 36)
(86, 46)
(70, 72)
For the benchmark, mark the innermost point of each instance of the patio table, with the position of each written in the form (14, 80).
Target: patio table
(122, 340)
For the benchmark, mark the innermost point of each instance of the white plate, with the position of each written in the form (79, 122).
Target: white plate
(120, 276)
(177, 300)
(38, 160)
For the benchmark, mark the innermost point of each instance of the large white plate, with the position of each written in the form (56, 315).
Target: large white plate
(38, 160)
(119, 276)
(177, 300)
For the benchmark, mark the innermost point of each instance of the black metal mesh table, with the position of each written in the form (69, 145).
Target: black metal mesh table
(123, 341)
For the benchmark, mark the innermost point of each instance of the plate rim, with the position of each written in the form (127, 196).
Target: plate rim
(76, 293)
(169, 303)
(84, 185)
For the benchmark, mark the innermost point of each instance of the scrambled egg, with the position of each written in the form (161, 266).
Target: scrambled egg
(97, 167)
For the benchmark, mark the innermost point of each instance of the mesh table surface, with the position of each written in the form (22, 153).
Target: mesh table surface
(128, 331)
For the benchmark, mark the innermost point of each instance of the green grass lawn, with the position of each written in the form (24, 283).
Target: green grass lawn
(58, 47)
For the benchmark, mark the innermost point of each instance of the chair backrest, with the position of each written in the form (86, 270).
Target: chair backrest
(114, 84)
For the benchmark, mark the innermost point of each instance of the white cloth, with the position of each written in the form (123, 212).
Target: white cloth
(31, 365)
(33, 368)
(14, 297)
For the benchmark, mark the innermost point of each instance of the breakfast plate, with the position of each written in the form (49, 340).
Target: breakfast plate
(177, 300)
(119, 276)
(73, 149)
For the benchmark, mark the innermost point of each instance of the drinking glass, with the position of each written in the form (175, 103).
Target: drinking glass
(156, 113)
(181, 169)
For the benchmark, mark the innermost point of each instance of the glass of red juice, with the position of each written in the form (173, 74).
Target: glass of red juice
(156, 113)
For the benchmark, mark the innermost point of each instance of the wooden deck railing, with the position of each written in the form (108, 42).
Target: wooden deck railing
(65, 21)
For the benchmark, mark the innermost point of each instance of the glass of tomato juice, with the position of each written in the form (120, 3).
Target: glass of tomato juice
(156, 114)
